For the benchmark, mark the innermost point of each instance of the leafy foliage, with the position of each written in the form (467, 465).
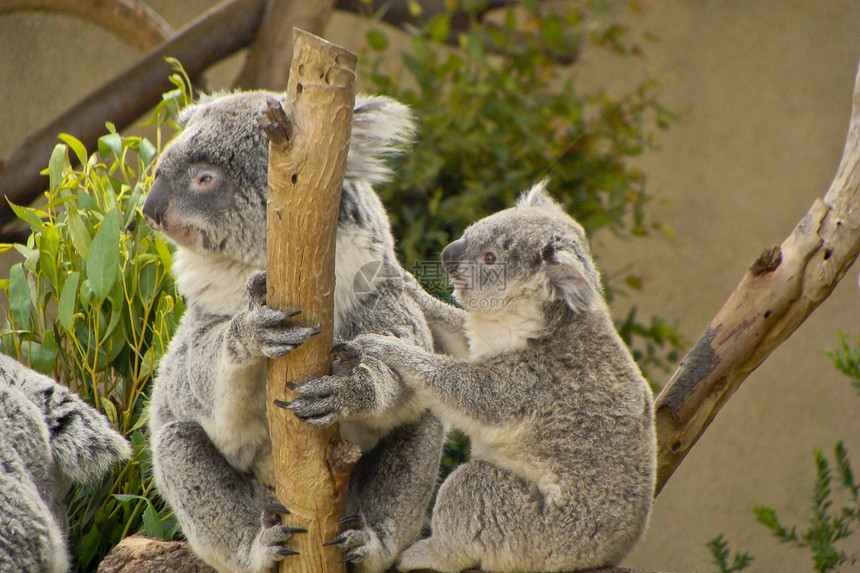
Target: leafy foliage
(827, 525)
(93, 304)
(847, 359)
(500, 113)
(723, 558)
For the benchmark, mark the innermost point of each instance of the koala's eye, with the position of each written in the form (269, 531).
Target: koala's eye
(489, 258)
(202, 179)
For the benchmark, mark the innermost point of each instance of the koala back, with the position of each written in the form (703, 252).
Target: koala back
(49, 438)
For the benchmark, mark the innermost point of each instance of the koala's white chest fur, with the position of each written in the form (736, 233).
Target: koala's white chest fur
(493, 331)
(216, 283)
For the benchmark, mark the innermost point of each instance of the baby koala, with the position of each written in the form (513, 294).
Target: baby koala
(563, 461)
(49, 439)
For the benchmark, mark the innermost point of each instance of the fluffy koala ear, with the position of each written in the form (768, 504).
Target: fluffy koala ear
(381, 126)
(538, 198)
(570, 279)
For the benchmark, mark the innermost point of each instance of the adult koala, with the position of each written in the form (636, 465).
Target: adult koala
(208, 428)
(49, 439)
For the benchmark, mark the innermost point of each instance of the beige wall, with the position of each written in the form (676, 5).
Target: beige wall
(765, 91)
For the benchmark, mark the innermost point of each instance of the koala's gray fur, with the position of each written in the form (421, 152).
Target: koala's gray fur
(210, 441)
(49, 439)
(561, 420)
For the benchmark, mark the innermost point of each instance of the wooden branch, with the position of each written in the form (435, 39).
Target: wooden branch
(139, 554)
(307, 162)
(129, 20)
(220, 32)
(268, 59)
(776, 295)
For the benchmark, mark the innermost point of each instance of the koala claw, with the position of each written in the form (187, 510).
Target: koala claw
(272, 540)
(358, 544)
(277, 508)
(280, 342)
(346, 519)
(349, 557)
(336, 541)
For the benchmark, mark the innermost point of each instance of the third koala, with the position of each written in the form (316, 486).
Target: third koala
(563, 461)
(49, 439)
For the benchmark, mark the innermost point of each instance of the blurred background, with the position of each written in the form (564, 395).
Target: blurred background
(762, 93)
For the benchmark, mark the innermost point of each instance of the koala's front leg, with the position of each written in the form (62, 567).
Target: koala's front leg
(262, 331)
(483, 390)
(238, 421)
(360, 387)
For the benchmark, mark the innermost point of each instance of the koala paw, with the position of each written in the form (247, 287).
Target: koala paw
(346, 357)
(256, 287)
(262, 330)
(318, 402)
(270, 546)
(361, 545)
(273, 336)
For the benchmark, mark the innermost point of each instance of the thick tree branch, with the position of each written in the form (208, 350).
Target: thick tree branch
(776, 295)
(143, 555)
(268, 63)
(220, 32)
(131, 21)
(307, 161)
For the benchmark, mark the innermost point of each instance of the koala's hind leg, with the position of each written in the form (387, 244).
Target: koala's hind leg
(390, 490)
(484, 517)
(224, 513)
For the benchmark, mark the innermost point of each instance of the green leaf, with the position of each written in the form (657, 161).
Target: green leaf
(27, 214)
(377, 40)
(77, 147)
(109, 410)
(41, 356)
(110, 142)
(90, 547)
(49, 247)
(57, 165)
(79, 234)
(147, 151)
(103, 263)
(127, 497)
(151, 523)
(66, 306)
(439, 28)
(19, 296)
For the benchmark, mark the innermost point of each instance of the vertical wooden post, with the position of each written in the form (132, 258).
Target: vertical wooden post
(307, 160)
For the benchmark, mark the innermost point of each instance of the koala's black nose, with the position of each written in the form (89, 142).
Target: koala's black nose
(452, 254)
(157, 202)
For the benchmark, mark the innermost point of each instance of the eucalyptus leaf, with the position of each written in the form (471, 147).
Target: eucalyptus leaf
(77, 147)
(79, 234)
(110, 142)
(66, 306)
(27, 214)
(147, 151)
(57, 165)
(109, 410)
(103, 263)
(151, 523)
(19, 297)
(90, 546)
